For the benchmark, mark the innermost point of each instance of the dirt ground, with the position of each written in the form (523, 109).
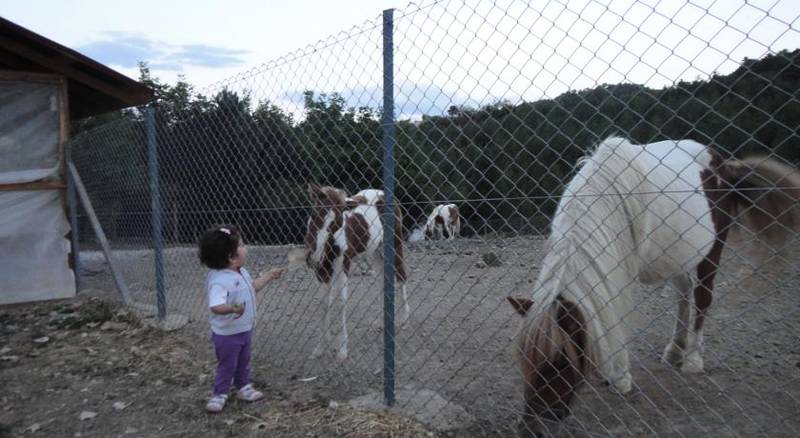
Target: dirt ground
(457, 344)
(88, 368)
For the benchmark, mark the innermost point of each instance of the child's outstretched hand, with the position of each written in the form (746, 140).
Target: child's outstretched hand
(265, 277)
(273, 274)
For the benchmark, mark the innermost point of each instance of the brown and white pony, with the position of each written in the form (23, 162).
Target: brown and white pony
(341, 230)
(648, 213)
(443, 222)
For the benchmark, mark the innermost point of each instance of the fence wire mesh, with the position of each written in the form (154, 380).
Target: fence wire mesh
(496, 102)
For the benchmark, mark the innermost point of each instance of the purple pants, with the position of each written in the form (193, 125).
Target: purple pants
(233, 361)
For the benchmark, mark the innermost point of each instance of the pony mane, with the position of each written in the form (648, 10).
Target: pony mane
(590, 235)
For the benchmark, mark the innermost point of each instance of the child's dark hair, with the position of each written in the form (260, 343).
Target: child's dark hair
(218, 245)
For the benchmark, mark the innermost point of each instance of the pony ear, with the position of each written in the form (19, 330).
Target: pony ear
(520, 305)
(313, 189)
(351, 203)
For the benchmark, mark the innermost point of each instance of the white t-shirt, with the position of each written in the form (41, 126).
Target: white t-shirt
(226, 286)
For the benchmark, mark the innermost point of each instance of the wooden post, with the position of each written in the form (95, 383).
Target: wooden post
(98, 231)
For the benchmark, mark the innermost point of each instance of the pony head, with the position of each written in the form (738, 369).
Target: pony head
(551, 351)
(327, 205)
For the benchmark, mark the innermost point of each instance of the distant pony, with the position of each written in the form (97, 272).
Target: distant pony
(653, 213)
(443, 222)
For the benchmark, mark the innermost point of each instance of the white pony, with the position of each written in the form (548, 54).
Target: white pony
(648, 213)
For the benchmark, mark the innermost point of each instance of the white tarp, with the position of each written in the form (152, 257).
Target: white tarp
(34, 251)
(33, 248)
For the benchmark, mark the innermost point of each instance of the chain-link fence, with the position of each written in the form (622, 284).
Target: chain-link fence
(495, 103)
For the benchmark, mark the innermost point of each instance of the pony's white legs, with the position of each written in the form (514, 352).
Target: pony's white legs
(404, 293)
(451, 232)
(615, 362)
(676, 349)
(623, 381)
(406, 309)
(618, 372)
(340, 282)
(325, 334)
(693, 362)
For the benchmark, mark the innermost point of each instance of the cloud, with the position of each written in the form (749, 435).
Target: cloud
(411, 100)
(209, 56)
(127, 49)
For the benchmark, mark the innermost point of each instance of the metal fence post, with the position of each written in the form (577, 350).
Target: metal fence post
(155, 204)
(388, 211)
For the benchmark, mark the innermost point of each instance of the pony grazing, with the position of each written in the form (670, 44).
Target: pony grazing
(648, 213)
(341, 230)
(443, 222)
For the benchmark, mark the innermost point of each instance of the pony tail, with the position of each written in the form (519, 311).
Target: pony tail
(763, 195)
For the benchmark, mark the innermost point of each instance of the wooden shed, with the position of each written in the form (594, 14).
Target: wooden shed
(42, 85)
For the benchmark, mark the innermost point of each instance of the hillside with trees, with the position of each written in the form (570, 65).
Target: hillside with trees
(226, 158)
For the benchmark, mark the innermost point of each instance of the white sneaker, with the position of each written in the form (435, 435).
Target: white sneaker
(248, 393)
(216, 403)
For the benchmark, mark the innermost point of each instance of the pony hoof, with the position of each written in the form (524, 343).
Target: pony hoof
(623, 385)
(693, 364)
(673, 355)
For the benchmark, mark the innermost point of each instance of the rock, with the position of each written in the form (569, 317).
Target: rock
(118, 406)
(110, 325)
(259, 426)
(425, 406)
(87, 415)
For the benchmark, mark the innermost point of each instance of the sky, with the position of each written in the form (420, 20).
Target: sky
(206, 41)
(447, 53)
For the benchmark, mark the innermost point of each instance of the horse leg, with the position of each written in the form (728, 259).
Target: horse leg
(673, 354)
(617, 370)
(325, 335)
(401, 275)
(341, 284)
(707, 270)
(623, 381)
(406, 309)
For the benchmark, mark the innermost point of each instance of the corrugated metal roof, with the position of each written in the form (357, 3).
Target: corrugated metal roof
(93, 88)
